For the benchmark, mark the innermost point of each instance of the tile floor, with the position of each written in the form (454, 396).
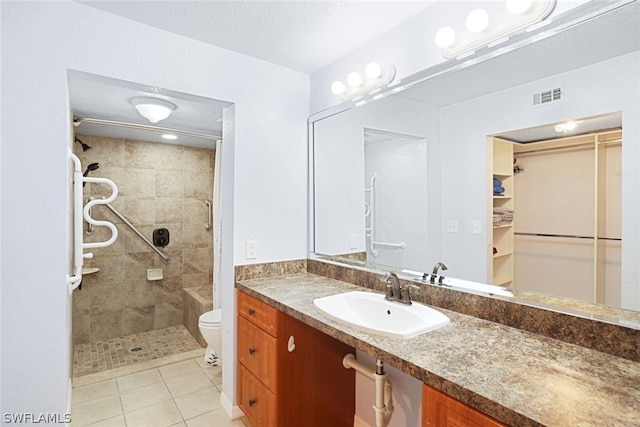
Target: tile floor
(116, 352)
(182, 393)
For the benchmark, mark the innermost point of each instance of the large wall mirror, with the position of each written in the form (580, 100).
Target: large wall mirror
(405, 180)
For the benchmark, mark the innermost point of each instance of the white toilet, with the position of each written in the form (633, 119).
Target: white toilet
(210, 325)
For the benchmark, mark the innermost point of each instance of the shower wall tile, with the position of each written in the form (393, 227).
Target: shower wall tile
(197, 260)
(196, 236)
(196, 212)
(168, 314)
(111, 267)
(196, 187)
(169, 210)
(161, 186)
(197, 160)
(174, 268)
(138, 155)
(136, 265)
(140, 211)
(81, 329)
(196, 280)
(106, 325)
(169, 183)
(109, 152)
(139, 183)
(107, 297)
(139, 293)
(133, 243)
(167, 157)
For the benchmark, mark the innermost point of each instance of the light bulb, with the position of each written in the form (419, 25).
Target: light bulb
(570, 125)
(517, 7)
(338, 88)
(354, 79)
(445, 37)
(169, 136)
(477, 20)
(373, 70)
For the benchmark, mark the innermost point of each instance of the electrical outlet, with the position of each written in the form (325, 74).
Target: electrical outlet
(452, 226)
(252, 249)
(354, 241)
(477, 227)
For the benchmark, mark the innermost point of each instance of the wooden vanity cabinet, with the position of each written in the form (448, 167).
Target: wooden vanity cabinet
(441, 410)
(282, 385)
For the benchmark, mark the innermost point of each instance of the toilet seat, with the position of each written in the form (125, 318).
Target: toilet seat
(213, 317)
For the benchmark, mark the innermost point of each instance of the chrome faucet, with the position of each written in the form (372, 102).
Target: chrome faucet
(394, 291)
(434, 274)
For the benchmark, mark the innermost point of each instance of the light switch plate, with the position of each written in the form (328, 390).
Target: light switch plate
(252, 249)
(354, 241)
(477, 227)
(452, 226)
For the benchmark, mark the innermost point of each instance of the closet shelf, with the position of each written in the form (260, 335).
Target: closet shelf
(496, 227)
(501, 281)
(502, 254)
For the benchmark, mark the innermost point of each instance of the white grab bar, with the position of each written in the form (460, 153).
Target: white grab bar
(79, 214)
(400, 245)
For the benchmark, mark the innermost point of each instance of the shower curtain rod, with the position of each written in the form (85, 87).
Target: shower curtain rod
(79, 120)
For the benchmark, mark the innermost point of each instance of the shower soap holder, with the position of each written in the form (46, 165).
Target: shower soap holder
(154, 274)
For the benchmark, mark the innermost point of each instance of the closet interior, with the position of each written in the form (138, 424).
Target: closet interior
(556, 214)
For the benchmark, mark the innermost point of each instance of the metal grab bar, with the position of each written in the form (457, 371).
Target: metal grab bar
(210, 214)
(133, 228)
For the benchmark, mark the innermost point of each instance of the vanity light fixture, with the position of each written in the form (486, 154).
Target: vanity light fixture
(481, 29)
(153, 109)
(375, 76)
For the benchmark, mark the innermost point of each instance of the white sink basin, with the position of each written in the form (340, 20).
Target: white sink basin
(371, 312)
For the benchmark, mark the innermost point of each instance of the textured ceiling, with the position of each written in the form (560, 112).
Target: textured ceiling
(303, 35)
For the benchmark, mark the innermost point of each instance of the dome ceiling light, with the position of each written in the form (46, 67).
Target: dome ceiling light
(153, 109)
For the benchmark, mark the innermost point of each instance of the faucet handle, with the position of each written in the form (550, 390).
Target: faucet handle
(406, 294)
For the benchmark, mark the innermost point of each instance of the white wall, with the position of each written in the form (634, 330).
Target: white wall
(410, 46)
(604, 87)
(400, 211)
(340, 172)
(40, 42)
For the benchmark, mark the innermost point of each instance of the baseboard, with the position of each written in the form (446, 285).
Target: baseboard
(69, 399)
(233, 411)
(359, 422)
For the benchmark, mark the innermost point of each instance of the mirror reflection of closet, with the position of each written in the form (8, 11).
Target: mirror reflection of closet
(567, 209)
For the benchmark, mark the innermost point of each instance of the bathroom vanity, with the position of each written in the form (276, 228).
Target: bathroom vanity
(473, 369)
(290, 374)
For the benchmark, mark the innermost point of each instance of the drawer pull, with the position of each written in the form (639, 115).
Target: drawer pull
(252, 402)
(251, 312)
(252, 351)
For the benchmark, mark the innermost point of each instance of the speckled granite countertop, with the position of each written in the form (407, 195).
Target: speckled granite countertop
(517, 377)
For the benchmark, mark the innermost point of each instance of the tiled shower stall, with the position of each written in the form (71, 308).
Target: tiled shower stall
(160, 186)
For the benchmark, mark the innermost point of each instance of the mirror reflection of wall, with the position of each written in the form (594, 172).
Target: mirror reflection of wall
(396, 213)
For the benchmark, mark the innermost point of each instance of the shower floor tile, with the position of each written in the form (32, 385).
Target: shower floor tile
(131, 349)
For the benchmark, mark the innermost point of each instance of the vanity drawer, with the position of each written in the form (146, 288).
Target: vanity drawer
(258, 313)
(255, 400)
(257, 352)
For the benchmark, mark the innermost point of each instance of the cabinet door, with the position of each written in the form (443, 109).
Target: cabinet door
(315, 388)
(441, 410)
(255, 400)
(257, 352)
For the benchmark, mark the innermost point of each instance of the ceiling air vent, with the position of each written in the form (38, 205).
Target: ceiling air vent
(547, 96)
